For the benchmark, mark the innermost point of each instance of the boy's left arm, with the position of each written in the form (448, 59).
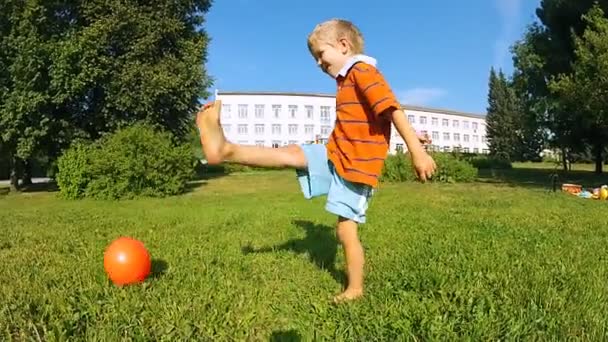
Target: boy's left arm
(423, 163)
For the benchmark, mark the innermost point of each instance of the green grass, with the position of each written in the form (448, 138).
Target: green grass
(244, 257)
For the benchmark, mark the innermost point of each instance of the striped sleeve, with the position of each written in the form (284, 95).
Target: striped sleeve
(374, 89)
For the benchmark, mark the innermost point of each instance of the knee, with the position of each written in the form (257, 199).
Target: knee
(294, 156)
(347, 232)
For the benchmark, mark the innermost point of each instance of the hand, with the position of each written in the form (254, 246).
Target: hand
(424, 165)
(424, 139)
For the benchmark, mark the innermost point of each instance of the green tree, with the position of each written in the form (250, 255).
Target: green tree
(501, 121)
(82, 69)
(546, 51)
(24, 99)
(132, 60)
(584, 91)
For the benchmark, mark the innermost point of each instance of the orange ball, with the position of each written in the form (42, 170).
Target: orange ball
(127, 261)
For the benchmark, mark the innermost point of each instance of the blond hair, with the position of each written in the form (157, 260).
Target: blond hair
(333, 30)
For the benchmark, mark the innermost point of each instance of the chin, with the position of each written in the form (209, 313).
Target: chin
(331, 74)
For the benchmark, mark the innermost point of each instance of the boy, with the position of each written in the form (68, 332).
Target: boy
(348, 167)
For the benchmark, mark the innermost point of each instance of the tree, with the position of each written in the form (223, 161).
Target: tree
(82, 69)
(545, 52)
(585, 91)
(501, 121)
(24, 100)
(131, 61)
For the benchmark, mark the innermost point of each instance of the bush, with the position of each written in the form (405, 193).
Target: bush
(450, 169)
(134, 161)
(74, 170)
(488, 162)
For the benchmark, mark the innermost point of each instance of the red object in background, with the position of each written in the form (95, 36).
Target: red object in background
(127, 261)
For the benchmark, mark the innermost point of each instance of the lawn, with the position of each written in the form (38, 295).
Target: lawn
(244, 257)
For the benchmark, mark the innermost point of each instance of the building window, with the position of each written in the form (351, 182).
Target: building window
(435, 121)
(435, 135)
(292, 142)
(242, 111)
(483, 138)
(475, 138)
(399, 147)
(308, 129)
(293, 109)
(259, 143)
(465, 150)
(324, 113)
(276, 129)
(226, 128)
(466, 138)
(465, 124)
(475, 125)
(445, 122)
(446, 136)
(423, 120)
(259, 129)
(276, 144)
(411, 119)
(455, 123)
(325, 130)
(309, 112)
(293, 129)
(226, 111)
(276, 109)
(475, 150)
(456, 136)
(259, 111)
(242, 129)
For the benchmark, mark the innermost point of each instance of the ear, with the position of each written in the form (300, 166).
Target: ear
(343, 46)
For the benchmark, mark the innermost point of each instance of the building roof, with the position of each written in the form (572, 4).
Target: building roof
(304, 94)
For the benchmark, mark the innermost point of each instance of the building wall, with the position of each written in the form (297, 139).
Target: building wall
(280, 119)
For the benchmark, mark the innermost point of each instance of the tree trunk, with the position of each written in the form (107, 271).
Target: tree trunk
(599, 158)
(26, 179)
(564, 159)
(14, 171)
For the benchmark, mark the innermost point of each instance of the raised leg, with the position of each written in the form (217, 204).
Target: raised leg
(218, 150)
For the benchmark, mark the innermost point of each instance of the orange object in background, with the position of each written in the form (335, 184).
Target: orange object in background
(572, 188)
(127, 261)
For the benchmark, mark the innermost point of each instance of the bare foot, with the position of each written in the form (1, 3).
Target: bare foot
(211, 133)
(348, 295)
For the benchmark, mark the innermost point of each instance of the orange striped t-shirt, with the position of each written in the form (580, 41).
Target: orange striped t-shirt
(360, 140)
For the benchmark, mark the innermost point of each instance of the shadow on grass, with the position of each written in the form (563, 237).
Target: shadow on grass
(548, 179)
(285, 336)
(194, 185)
(320, 243)
(50, 186)
(43, 186)
(159, 268)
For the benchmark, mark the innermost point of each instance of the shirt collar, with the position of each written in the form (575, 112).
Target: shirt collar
(354, 59)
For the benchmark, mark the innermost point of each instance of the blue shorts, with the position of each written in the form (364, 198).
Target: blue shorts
(344, 198)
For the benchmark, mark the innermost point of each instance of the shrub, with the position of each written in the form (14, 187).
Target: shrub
(74, 170)
(489, 162)
(450, 169)
(138, 160)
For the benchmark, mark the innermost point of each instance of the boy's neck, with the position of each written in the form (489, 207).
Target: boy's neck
(351, 60)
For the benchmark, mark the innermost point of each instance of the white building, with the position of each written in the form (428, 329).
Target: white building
(279, 119)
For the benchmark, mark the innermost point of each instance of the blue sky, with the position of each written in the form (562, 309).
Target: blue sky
(434, 54)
